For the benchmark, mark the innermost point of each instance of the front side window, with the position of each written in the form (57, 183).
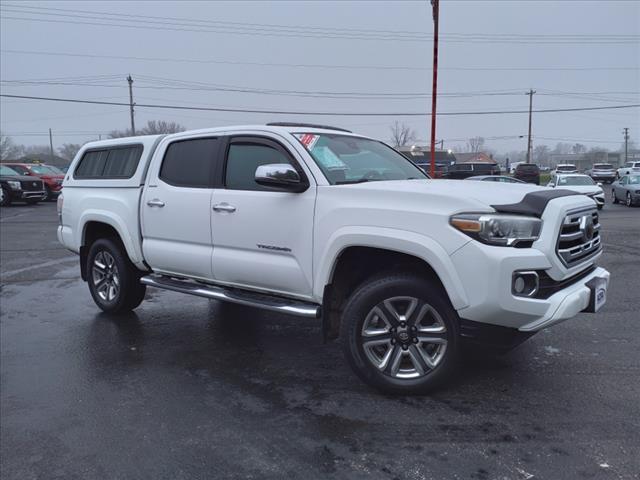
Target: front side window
(345, 159)
(189, 163)
(243, 160)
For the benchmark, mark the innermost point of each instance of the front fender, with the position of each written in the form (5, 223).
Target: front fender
(401, 241)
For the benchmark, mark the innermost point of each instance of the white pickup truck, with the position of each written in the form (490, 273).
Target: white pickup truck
(322, 223)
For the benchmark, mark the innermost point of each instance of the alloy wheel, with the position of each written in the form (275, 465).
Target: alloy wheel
(629, 202)
(106, 279)
(404, 337)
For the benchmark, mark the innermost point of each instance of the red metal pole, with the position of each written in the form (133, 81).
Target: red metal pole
(436, 11)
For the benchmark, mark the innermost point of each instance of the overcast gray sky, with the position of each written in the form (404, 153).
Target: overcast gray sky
(573, 53)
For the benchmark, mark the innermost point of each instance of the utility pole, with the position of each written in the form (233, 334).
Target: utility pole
(626, 144)
(50, 145)
(530, 93)
(435, 4)
(131, 104)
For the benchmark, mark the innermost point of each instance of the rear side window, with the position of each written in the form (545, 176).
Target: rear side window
(120, 162)
(242, 161)
(189, 163)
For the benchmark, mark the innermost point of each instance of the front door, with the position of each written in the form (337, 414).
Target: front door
(262, 237)
(176, 206)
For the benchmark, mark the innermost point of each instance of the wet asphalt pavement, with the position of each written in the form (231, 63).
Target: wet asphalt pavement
(189, 388)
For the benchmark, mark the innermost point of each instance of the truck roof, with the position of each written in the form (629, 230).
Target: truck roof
(273, 128)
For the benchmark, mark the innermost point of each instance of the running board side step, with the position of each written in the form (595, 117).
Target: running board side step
(251, 299)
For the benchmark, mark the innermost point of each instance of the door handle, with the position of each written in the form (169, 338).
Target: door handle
(155, 203)
(224, 207)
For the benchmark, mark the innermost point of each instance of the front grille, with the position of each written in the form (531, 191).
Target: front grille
(579, 238)
(32, 185)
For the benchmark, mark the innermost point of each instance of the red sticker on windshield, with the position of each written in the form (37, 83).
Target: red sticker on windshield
(308, 140)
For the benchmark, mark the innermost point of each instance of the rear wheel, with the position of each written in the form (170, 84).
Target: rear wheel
(5, 196)
(400, 334)
(114, 282)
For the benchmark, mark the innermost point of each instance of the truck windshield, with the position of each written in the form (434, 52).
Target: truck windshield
(346, 159)
(8, 171)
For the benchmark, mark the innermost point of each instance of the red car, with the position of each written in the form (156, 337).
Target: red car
(50, 175)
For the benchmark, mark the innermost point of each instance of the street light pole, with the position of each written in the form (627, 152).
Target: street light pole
(436, 11)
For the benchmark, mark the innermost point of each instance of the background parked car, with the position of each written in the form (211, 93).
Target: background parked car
(51, 176)
(627, 189)
(602, 172)
(19, 188)
(580, 183)
(461, 171)
(566, 168)
(629, 168)
(528, 172)
(496, 178)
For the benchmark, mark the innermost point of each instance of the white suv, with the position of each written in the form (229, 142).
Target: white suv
(322, 223)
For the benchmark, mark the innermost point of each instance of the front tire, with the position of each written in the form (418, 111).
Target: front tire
(614, 199)
(400, 334)
(114, 282)
(629, 200)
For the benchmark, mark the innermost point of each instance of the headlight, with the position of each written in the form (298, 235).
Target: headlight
(14, 185)
(496, 229)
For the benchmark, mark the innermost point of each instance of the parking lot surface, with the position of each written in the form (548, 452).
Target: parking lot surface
(190, 388)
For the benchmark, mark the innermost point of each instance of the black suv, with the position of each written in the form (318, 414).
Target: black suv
(528, 172)
(19, 188)
(461, 171)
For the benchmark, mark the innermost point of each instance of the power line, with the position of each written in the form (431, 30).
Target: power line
(39, 9)
(318, 65)
(287, 112)
(301, 32)
(159, 83)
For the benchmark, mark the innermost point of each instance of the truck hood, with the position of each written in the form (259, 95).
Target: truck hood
(485, 193)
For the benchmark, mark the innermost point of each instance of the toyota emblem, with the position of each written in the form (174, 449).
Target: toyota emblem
(586, 227)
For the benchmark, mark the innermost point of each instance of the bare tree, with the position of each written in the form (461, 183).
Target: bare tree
(541, 154)
(475, 144)
(68, 150)
(402, 135)
(562, 148)
(153, 127)
(578, 148)
(156, 127)
(6, 146)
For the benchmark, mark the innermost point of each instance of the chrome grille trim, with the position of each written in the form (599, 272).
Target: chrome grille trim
(576, 244)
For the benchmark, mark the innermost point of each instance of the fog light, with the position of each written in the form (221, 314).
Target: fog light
(524, 284)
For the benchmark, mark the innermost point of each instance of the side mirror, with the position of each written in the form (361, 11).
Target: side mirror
(281, 176)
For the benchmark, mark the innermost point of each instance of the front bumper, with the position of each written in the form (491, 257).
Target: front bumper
(28, 194)
(486, 273)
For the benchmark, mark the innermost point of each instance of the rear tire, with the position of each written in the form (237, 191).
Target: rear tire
(400, 334)
(5, 197)
(114, 282)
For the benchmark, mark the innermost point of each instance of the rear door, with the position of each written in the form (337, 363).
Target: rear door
(176, 206)
(262, 237)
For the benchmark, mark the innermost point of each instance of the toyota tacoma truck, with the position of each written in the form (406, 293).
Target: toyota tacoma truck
(321, 223)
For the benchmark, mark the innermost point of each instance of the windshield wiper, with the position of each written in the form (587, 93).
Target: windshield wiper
(350, 182)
